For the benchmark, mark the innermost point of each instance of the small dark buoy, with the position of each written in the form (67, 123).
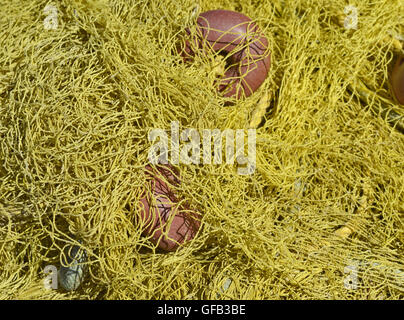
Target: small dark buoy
(72, 271)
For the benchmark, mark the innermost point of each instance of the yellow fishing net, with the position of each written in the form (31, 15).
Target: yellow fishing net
(82, 83)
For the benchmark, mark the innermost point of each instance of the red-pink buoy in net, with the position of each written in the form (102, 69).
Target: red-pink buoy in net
(167, 222)
(397, 80)
(234, 34)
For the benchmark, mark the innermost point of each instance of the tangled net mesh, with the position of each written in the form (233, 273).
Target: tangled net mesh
(325, 202)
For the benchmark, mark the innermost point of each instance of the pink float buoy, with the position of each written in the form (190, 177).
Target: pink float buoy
(397, 80)
(168, 223)
(236, 35)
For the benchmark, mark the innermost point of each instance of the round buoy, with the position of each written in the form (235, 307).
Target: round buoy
(165, 220)
(235, 35)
